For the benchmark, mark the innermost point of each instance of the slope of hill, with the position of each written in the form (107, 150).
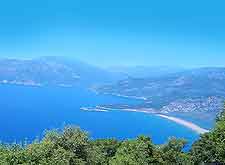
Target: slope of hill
(191, 90)
(53, 71)
(146, 71)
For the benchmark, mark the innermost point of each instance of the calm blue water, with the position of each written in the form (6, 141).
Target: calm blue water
(27, 111)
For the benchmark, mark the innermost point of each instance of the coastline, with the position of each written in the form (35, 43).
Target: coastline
(185, 123)
(123, 96)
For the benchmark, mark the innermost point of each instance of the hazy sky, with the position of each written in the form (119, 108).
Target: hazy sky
(116, 32)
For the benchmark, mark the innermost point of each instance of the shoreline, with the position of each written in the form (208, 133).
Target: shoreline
(187, 124)
(122, 96)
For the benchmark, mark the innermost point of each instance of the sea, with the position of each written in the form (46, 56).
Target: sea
(26, 113)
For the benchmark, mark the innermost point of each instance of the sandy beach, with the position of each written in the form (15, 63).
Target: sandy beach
(187, 124)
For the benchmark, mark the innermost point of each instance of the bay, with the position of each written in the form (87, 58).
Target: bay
(26, 112)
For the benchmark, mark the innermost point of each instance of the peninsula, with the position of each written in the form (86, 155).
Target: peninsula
(185, 123)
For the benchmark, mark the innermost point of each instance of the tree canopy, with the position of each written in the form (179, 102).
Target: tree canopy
(72, 146)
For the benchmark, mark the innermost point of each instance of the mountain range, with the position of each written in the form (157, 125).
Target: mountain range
(194, 83)
(54, 71)
(145, 71)
(164, 89)
(189, 91)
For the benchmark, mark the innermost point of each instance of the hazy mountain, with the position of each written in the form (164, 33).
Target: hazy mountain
(146, 71)
(164, 89)
(53, 71)
(174, 90)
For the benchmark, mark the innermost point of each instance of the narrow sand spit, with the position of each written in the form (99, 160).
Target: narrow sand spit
(187, 124)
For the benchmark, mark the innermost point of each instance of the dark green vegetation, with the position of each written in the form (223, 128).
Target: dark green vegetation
(73, 146)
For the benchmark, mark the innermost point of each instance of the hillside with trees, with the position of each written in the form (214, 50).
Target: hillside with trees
(73, 146)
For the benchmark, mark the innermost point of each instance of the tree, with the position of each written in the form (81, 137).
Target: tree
(134, 152)
(103, 150)
(172, 152)
(69, 146)
(210, 148)
(72, 146)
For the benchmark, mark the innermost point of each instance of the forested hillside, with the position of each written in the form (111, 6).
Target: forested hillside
(72, 146)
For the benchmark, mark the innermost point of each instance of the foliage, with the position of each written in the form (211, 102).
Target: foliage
(210, 148)
(72, 146)
(134, 152)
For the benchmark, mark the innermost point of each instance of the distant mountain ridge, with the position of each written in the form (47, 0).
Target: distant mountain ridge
(194, 90)
(199, 82)
(146, 71)
(165, 90)
(53, 71)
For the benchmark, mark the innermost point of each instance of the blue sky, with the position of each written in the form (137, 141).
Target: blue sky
(188, 33)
